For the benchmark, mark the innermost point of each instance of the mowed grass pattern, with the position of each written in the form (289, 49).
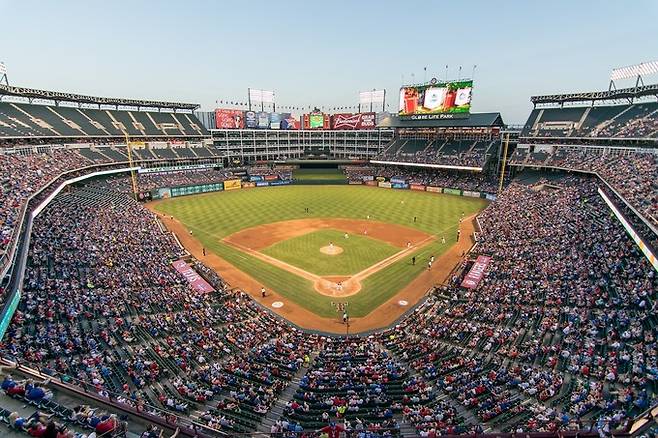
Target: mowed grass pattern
(214, 216)
(359, 252)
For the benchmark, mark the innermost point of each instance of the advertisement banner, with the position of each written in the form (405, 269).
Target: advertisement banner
(433, 189)
(263, 120)
(229, 119)
(436, 100)
(353, 121)
(452, 192)
(419, 187)
(161, 193)
(248, 185)
(270, 177)
(398, 180)
(471, 194)
(288, 122)
(262, 184)
(371, 183)
(368, 177)
(196, 189)
(250, 120)
(400, 186)
(232, 184)
(275, 120)
(316, 121)
(280, 182)
(256, 178)
(380, 178)
(476, 273)
(386, 185)
(196, 281)
(490, 196)
(355, 182)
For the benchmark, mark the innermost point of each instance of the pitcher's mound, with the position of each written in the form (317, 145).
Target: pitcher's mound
(331, 250)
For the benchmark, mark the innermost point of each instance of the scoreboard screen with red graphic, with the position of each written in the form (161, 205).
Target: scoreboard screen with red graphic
(436, 100)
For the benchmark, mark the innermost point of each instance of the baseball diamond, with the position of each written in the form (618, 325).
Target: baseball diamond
(277, 241)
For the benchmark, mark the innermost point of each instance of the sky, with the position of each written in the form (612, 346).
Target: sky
(322, 53)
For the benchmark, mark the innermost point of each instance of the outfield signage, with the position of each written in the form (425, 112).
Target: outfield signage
(177, 168)
(400, 186)
(471, 194)
(452, 192)
(197, 282)
(433, 189)
(248, 185)
(398, 180)
(419, 187)
(476, 273)
(196, 189)
(280, 182)
(384, 184)
(262, 184)
(232, 184)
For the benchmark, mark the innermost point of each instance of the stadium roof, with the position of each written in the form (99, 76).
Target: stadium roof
(622, 93)
(476, 120)
(32, 93)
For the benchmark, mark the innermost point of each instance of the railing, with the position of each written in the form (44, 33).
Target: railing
(164, 419)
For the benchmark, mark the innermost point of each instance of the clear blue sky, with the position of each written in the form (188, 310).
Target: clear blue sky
(322, 52)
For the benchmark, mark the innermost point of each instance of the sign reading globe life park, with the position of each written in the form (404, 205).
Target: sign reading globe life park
(436, 100)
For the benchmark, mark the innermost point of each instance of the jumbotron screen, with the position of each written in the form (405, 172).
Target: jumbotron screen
(438, 100)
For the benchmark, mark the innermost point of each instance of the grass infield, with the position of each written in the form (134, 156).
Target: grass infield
(213, 216)
(359, 252)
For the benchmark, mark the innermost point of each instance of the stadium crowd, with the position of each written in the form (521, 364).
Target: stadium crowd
(428, 177)
(560, 334)
(23, 175)
(633, 175)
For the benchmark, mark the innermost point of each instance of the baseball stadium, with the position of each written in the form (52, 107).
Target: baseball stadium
(402, 264)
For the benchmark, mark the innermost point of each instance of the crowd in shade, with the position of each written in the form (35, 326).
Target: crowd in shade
(560, 334)
(449, 152)
(155, 180)
(632, 175)
(475, 181)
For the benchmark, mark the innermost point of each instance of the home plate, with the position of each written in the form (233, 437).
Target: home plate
(403, 303)
(277, 304)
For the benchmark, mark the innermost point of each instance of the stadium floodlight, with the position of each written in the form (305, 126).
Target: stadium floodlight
(3, 74)
(634, 71)
(372, 97)
(263, 96)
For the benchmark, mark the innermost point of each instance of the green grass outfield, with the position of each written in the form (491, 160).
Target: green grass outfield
(318, 174)
(359, 252)
(214, 216)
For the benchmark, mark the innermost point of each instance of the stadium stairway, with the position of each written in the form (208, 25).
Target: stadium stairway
(408, 430)
(276, 412)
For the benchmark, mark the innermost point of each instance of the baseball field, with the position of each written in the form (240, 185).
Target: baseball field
(311, 246)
